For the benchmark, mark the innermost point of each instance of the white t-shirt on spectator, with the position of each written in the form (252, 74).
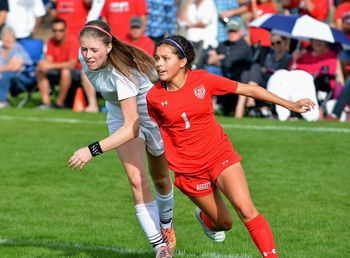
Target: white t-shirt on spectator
(22, 16)
(207, 14)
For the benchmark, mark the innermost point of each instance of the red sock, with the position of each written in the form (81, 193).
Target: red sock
(207, 221)
(261, 233)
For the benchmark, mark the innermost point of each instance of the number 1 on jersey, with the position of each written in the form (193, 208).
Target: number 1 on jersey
(187, 123)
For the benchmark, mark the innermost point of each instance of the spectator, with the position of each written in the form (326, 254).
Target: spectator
(200, 22)
(137, 38)
(342, 22)
(25, 17)
(228, 11)
(260, 38)
(161, 19)
(317, 9)
(74, 12)
(338, 111)
(118, 13)
(230, 59)
(59, 66)
(13, 58)
(257, 74)
(4, 8)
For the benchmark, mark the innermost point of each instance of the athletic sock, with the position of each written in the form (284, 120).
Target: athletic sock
(262, 236)
(147, 214)
(165, 205)
(207, 221)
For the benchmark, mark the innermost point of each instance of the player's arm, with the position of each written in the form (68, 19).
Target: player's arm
(258, 92)
(128, 131)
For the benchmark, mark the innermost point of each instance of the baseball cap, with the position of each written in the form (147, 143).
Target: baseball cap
(233, 25)
(135, 22)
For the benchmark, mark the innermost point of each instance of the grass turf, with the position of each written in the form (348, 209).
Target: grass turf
(299, 180)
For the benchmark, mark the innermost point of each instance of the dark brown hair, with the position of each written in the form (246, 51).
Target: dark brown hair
(123, 57)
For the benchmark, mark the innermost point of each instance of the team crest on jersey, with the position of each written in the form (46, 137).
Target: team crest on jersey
(199, 92)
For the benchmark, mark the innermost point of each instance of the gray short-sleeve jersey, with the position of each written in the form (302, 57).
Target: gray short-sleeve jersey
(115, 87)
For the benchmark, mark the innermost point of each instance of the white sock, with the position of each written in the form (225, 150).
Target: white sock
(147, 214)
(165, 205)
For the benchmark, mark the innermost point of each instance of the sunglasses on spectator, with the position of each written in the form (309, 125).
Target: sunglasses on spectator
(58, 30)
(276, 43)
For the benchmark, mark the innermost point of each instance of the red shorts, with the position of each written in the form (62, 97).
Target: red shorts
(202, 183)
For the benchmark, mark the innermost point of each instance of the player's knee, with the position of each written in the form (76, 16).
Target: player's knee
(247, 212)
(225, 223)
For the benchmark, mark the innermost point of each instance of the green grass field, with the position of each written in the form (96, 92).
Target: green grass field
(298, 172)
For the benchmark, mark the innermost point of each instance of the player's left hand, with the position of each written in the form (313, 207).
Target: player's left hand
(80, 158)
(303, 105)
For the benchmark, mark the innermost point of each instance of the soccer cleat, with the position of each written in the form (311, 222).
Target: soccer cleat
(217, 236)
(163, 252)
(169, 237)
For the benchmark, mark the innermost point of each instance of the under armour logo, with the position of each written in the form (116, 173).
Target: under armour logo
(267, 253)
(164, 103)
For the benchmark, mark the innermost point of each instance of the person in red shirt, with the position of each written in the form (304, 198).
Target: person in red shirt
(317, 9)
(259, 37)
(196, 146)
(74, 12)
(138, 38)
(60, 65)
(117, 13)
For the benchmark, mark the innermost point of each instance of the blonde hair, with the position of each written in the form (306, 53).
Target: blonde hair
(124, 57)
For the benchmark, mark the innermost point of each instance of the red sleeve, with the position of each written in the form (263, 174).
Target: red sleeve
(219, 85)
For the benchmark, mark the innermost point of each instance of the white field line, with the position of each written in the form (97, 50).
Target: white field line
(228, 126)
(113, 249)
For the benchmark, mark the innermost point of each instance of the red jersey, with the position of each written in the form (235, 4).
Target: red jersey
(119, 12)
(145, 43)
(74, 12)
(193, 139)
(64, 52)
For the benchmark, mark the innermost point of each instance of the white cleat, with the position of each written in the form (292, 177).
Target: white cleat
(217, 236)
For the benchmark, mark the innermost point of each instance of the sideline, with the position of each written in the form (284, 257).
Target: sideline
(228, 126)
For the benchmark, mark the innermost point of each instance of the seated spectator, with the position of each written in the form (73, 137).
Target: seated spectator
(60, 65)
(259, 74)
(342, 101)
(320, 60)
(137, 37)
(230, 59)
(13, 59)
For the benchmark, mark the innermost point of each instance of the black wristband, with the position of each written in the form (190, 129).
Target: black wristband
(95, 149)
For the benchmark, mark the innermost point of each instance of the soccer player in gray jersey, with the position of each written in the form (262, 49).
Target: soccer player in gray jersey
(121, 73)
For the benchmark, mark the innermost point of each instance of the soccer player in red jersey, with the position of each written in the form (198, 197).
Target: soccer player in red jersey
(196, 147)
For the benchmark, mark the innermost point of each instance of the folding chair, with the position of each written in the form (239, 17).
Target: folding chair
(25, 81)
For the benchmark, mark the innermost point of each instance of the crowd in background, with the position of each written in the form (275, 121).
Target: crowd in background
(225, 44)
